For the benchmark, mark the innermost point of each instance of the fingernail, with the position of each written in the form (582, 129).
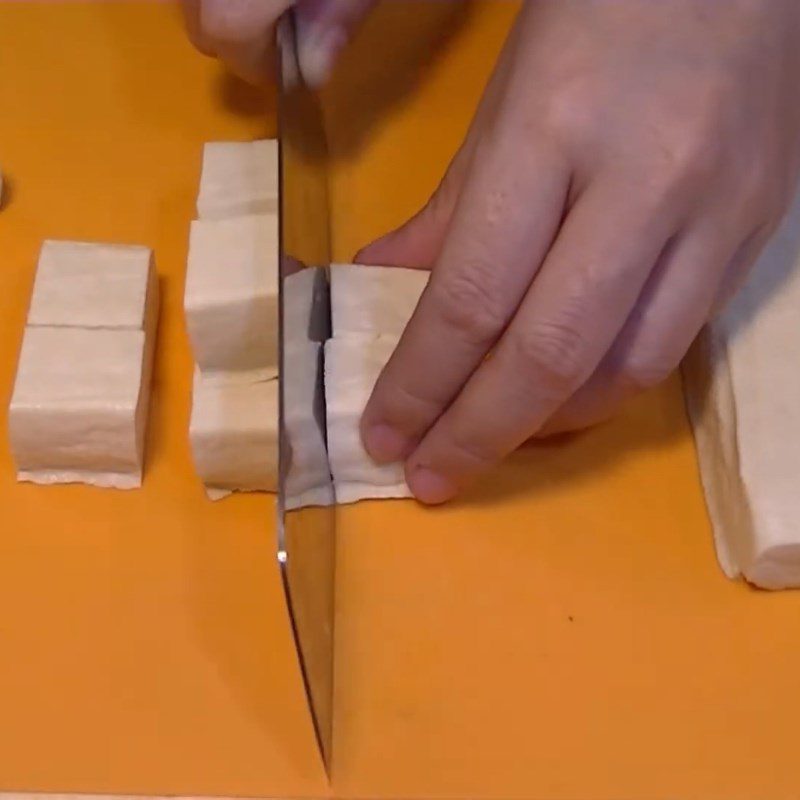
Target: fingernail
(319, 48)
(430, 487)
(384, 444)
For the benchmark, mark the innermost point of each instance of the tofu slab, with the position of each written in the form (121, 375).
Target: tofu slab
(92, 285)
(742, 386)
(231, 297)
(79, 408)
(374, 301)
(238, 178)
(352, 366)
(234, 434)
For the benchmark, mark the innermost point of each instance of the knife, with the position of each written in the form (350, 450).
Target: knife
(306, 535)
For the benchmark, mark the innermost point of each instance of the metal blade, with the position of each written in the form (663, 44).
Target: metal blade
(306, 534)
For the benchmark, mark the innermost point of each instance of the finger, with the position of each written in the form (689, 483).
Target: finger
(674, 305)
(194, 28)
(323, 29)
(418, 242)
(498, 237)
(569, 318)
(240, 32)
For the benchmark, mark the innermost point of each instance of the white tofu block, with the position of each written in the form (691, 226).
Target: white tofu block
(88, 285)
(79, 408)
(238, 178)
(376, 301)
(743, 395)
(231, 298)
(308, 479)
(234, 434)
(306, 310)
(352, 366)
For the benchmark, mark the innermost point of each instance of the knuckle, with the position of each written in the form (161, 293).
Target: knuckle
(557, 356)
(468, 303)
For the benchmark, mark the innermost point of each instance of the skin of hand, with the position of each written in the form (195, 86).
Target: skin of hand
(241, 33)
(627, 164)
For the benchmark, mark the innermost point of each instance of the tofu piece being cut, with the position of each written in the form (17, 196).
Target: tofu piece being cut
(742, 386)
(92, 285)
(374, 301)
(308, 480)
(234, 435)
(238, 178)
(231, 297)
(79, 408)
(352, 366)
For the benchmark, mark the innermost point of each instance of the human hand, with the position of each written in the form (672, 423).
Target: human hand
(240, 33)
(626, 165)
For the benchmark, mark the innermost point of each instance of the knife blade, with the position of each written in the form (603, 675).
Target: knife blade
(306, 535)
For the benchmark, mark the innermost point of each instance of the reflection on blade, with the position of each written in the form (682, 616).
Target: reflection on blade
(306, 521)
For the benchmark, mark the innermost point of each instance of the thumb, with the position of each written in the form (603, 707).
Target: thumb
(323, 29)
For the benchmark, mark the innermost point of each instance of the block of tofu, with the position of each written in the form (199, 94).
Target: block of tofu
(306, 306)
(308, 479)
(376, 301)
(88, 285)
(352, 366)
(78, 413)
(231, 298)
(742, 387)
(234, 434)
(238, 178)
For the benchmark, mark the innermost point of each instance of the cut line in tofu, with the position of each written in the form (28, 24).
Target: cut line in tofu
(234, 435)
(743, 396)
(80, 404)
(374, 301)
(231, 298)
(238, 178)
(93, 285)
(352, 366)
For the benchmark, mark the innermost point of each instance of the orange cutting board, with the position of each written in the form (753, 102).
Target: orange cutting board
(563, 633)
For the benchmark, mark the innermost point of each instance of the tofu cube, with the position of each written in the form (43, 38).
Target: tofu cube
(375, 301)
(234, 434)
(308, 478)
(88, 285)
(238, 178)
(231, 298)
(352, 366)
(79, 408)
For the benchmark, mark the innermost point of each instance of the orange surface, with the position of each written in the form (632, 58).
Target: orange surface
(562, 634)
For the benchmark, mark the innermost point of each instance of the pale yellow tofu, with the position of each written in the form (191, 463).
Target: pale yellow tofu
(92, 285)
(743, 393)
(79, 408)
(238, 178)
(374, 301)
(234, 434)
(352, 366)
(231, 298)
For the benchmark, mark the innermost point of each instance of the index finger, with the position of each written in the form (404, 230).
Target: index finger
(498, 236)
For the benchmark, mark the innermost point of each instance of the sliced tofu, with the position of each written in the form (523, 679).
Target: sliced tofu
(88, 285)
(374, 300)
(238, 178)
(234, 434)
(231, 298)
(352, 366)
(79, 408)
(743, 394)
(308, 480)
